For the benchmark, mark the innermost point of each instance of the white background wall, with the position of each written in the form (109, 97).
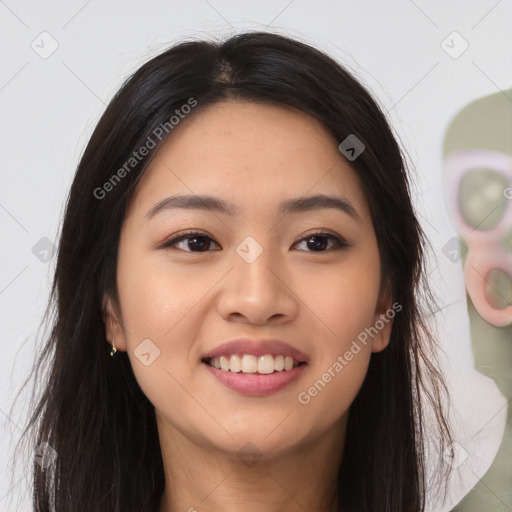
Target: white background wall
(50, 106)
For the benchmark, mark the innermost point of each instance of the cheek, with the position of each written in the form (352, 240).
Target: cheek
(344, 301)
(157, 299)
(330, 391)
(342, 349)
(344, 308)
(158, 309)
(341, 358)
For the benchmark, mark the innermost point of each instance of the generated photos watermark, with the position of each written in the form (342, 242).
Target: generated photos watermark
(304, 397)
(150, 143)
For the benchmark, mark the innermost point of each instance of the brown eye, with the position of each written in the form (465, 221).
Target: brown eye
(195, 242)
(318, 242)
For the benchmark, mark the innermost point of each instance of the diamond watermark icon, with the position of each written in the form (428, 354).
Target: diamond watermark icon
(45, 455)
(351, 147)
(454, 45)
(44, 250)
(44, 45)
(249, 454)
(249, 250)
(455, 249)
(455, 455)
(146, 352)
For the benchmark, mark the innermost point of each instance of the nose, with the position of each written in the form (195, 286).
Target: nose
(259, 291)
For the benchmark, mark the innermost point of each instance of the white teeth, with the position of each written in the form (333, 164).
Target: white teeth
(266, 364)
(249, 363)
(235, 364)
(224, 363)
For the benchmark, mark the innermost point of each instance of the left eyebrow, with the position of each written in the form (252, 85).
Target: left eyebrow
(318, 202)
(295, 205)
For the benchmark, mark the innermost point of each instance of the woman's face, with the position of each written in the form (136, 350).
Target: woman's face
(254, 272)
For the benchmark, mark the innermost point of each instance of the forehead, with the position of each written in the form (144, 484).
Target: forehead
(249, 153)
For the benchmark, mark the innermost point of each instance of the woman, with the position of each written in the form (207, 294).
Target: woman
(237, 291)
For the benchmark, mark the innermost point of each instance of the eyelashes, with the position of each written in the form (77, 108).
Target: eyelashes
(203, 242)
(191, 235)
(338, 242)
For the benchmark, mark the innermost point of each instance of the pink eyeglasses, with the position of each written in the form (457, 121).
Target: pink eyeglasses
(479, 200)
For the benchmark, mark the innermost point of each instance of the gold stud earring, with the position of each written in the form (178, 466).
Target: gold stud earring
(114, 349)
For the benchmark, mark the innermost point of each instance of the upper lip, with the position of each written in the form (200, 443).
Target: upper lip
(255, 347)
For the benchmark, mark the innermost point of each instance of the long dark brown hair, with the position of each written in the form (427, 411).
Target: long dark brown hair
(91, 410)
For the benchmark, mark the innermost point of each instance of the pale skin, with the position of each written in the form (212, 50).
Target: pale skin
(188, 301)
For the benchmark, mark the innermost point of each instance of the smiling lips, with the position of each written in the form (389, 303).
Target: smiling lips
(249, 363)
(255, 368)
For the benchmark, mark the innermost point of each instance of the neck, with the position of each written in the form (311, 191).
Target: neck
(206, 479)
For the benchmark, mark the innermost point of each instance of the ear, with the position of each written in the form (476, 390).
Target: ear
(383, 320)
(113, 326)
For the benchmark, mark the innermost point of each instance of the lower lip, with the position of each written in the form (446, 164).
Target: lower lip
(256, 384)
